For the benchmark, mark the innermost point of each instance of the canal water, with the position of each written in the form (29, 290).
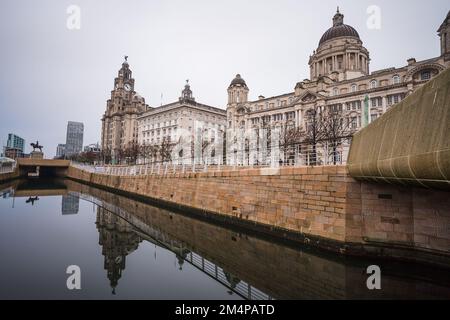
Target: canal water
(126, 249)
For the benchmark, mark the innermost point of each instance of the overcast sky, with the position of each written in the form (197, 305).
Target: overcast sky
(51, 74)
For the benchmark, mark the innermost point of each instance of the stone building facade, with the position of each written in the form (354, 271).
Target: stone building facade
(180, 123)
(340, 80)
(119, 122)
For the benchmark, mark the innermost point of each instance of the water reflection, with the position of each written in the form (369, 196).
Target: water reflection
(207, 257)
(118, 239)
(32, 200)
(70, 204)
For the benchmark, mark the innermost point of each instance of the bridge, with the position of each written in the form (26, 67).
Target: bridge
(42, 167)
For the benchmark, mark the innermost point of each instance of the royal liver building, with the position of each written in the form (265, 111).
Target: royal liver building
(315, 122)
(119, 122)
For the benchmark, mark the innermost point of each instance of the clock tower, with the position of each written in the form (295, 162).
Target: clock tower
(119, 123)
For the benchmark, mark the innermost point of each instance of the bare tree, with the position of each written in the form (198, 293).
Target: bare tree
(165, 149)
(335, 131)
(205, 148)
(314, 131)
(290, 139)
(106, 155)
(119, 155)
(148, 151)
(132, 152)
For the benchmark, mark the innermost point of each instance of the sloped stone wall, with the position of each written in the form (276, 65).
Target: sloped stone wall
(410, 143)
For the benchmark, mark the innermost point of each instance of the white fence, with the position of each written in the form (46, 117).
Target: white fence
(7, 167)
(164, 168)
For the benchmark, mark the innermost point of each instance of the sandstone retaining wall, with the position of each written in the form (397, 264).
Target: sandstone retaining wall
(320, 206)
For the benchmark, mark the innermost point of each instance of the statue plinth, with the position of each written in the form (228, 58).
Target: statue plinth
(37, 155)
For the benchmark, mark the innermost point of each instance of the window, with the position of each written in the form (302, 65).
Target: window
(354, 105)
(336, 107)
(290, 115)
(377, 102)
(354, 88)
(373, 84)
(335, 91)
(277, 117)
(353, 123)
(425, 75)
(395, 79)
(395, 98)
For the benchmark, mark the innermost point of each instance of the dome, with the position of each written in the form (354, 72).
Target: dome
(138, 97)
(339, 29)
(238, 81)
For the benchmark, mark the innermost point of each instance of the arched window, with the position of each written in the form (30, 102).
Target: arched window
(396, 79)
(373, 84)
(354, 88)
(425, 75)
(335, 91)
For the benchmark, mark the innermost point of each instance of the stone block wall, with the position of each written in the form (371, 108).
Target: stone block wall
(280, 271)
(321, 206)
(9, 176)
(306, 200)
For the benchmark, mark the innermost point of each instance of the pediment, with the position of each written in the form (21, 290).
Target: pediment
(308, 96)
(241, 109)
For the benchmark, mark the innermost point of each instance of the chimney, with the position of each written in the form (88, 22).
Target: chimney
(411, 61)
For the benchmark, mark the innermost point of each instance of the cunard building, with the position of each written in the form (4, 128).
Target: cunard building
(180, 123)
(340, 80)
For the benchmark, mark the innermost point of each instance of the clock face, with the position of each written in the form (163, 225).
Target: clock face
(127, 87)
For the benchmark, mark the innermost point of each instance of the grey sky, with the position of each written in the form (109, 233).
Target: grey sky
(51, 74)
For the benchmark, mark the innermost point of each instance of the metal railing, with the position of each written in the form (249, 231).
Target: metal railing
(7, 168)
(182, 166)
(241, 287)
(154, 235)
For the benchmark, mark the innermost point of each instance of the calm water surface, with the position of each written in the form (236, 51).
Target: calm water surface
(131, 250)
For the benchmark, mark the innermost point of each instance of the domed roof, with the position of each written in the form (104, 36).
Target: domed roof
(339, 29)
(238, 81)
(137, 96)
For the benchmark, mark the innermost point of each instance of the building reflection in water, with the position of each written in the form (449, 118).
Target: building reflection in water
(248, 266)
(70, 204)
(117, 239)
